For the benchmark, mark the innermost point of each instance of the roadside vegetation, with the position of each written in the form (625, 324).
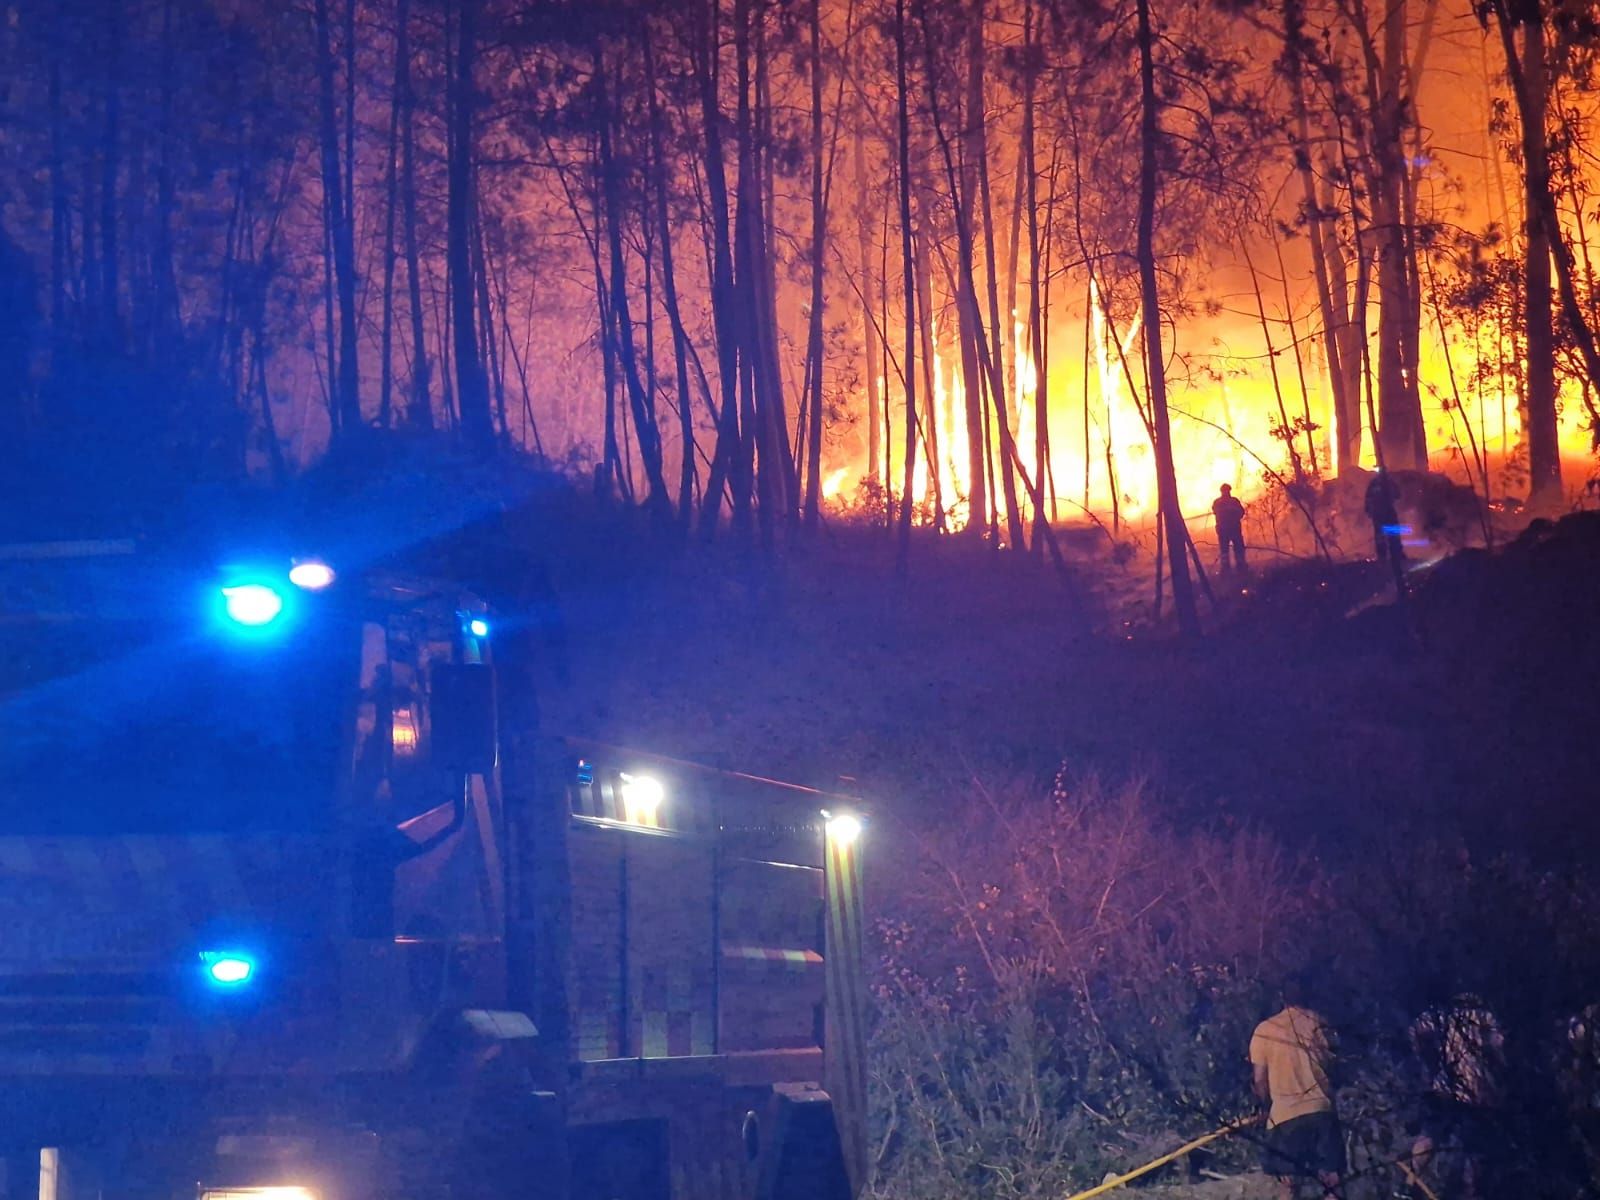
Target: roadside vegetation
(1067, 982)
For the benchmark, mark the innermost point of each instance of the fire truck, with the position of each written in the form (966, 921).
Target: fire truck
(283, 916)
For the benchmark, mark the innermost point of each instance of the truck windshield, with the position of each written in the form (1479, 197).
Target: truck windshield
(127, 722)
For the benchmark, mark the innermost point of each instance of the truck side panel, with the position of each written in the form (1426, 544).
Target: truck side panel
(689, 938)
(643, 920)
(771, 996)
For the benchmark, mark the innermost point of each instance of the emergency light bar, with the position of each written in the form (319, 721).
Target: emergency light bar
(254, 599)
(252, 604)
(228, 969)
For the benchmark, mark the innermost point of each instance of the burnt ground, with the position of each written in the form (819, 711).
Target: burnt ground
(1315, 705)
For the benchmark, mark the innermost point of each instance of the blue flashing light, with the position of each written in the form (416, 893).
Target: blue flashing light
(478, 627)
(227, 968)
(252, 604)
(311, 575)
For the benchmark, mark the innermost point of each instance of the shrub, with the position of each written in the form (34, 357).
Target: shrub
(1068, 988)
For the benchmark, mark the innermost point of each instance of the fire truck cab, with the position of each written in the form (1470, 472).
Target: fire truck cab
(284, 917)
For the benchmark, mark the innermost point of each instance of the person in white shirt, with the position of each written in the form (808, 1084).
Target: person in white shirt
(1289, 1056)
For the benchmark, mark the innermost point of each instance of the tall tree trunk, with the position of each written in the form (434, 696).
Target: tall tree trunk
(350, 111)
(1036, 335)
(138, 238)
(90, 276)
(165, 280)
(999, 385)
(611, 455)
(1177, 534)
(886, 474)
(228, 340)
(930, 420)
(647, 264)
(669, 290)
(776, 428)
(1400, 426)
(1326, 260)
(979, 499)
(611, 470)
(972, 407)
(640, 401)
(419, 408)
(1350, 300)
(775, 409)
(256, 318)
(60, 213)
(110, 159)
(330, 322)
(869, 310)
(269, 426)
(472, 384)
(441, 348)
(343, 379)
(746, 267)
(819, 239)
(909, 284)
(489, 344)
(766, 442)
(728, 461)
(391, 190)
(1544, 448)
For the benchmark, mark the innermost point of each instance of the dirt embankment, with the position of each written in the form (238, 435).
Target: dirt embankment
(1472, 709)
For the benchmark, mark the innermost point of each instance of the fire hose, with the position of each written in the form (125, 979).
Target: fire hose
(1194, 1144)
(1232, 1127)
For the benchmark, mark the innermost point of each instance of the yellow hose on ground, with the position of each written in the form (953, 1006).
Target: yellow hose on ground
(1195, 1144)
(1416, 1180)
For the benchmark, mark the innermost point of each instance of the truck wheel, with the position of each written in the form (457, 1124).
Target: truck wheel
(513, 1147)
(620, 1160)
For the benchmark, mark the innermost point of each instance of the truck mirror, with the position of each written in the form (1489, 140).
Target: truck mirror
(463, 717)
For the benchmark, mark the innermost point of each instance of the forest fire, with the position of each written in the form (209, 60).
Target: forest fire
(1223, 425)
(1090, 260)
(607, 307)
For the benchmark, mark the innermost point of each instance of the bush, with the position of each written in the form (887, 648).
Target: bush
(1067, 989)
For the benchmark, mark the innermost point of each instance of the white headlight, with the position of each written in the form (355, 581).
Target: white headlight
(641, 800)
(311, 574)
(842, 829)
